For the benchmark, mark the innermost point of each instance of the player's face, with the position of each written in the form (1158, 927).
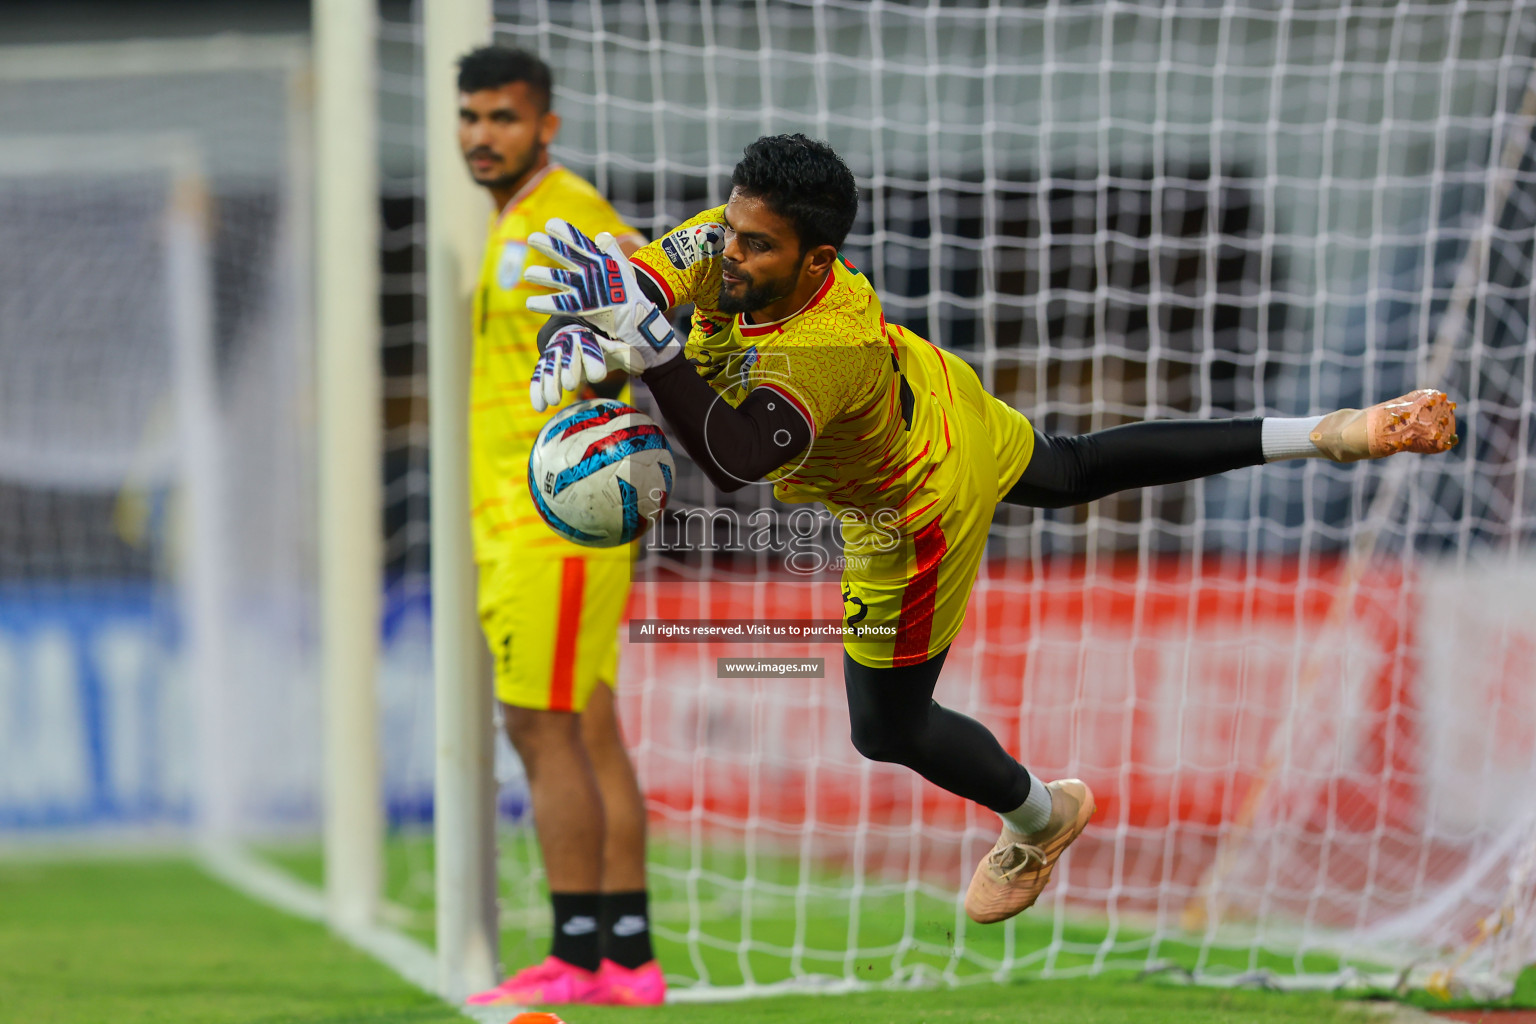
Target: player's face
(503, 133)
(762, 263)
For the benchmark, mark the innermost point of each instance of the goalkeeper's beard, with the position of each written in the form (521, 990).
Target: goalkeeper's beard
(753, 297)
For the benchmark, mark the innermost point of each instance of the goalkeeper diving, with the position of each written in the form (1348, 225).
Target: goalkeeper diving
(790, 373)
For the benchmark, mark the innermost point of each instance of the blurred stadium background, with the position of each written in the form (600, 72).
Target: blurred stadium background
(1306, 693)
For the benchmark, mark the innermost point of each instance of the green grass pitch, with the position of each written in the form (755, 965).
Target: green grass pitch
(134, 941)
(728, 912)
(130, 940)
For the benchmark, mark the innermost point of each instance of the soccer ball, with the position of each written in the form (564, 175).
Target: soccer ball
(600, 472)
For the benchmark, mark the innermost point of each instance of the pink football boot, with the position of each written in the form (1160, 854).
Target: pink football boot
(550, 983)
(638, 986)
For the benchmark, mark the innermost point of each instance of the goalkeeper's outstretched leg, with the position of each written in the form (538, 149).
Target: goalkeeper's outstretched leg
(894, 717)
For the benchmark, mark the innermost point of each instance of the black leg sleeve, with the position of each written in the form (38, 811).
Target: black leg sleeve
(895, 718)
(1073, 470)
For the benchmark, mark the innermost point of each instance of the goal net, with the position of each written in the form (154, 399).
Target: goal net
(1301, 692)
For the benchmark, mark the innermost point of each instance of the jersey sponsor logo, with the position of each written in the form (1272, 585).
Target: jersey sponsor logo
(681, 250)
(509, 269)
(629, 924)
(581, 924)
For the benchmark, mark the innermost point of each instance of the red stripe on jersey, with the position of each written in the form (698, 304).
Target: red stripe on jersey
(660, 282)
(947, 386)
(914, 628)
(562, 674)
(792, 400)
(910, 516)
(902, 471)
(886, 334)
(919, 485)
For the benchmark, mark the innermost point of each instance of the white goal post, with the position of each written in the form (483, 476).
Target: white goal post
(464, 805)
(347, 331)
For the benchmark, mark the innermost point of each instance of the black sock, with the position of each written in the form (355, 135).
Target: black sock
(626, 929)
(576, 928)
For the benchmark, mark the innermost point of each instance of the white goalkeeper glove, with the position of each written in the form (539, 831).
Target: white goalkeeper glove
(598, 285)
(573, 357)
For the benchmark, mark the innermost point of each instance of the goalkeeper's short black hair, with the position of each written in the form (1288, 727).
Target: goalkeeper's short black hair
(805, 182)
(491, 67)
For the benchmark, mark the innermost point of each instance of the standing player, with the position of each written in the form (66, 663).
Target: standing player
(791, 373)
(550, 609)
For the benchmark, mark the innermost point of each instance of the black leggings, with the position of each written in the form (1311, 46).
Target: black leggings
(893, 713)
(1075, 470)
(895, 718)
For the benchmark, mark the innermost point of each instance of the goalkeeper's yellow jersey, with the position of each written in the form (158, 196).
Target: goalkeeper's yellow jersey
(502, 422)
(879, 398)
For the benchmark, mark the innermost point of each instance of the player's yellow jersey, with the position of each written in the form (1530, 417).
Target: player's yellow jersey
(502, 422)
(879, 398)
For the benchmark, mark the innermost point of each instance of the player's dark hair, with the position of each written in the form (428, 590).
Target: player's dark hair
(491, 67)
(805, 182)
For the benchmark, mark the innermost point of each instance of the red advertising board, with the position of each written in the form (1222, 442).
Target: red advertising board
(1170, 689)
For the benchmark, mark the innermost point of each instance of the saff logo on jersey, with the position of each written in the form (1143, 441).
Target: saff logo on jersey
(509, 269)
(681, 250)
